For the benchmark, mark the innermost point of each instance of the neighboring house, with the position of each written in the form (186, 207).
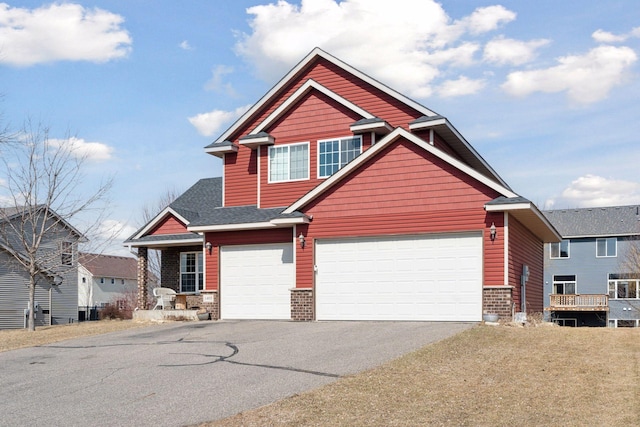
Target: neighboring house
(342, 199)
(588, 279)
(56, 294)
(104, 279)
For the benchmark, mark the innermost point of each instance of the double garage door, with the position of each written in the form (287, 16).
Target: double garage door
(430, 277)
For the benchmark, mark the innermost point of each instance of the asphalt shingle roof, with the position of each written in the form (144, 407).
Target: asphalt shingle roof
(604, 221)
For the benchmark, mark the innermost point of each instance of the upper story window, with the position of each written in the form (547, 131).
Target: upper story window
(289, 162)
(333, 154)
(560, 249)
(564, 285)
(606, 247)
(624, 286)
(66, 253)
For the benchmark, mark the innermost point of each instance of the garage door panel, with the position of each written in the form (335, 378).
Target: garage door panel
(255, 281)
(400, 278)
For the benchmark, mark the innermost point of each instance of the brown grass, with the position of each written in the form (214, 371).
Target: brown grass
(11, 339)
(487, 376)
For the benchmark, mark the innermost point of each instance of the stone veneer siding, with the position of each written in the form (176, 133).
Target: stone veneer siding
(302, 304)
(497, 300)
(143, 277)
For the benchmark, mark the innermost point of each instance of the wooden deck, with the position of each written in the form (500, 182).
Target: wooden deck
(578, 302)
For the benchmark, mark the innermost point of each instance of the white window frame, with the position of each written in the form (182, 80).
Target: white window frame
(273, 148)
(565, 282)
(613, 283)
(606, 247)
(198, 273)
(342, 162)
(558, 247)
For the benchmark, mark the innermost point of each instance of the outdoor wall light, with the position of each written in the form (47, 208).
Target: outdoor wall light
(302, 240)
(208, 245)
(492, 232)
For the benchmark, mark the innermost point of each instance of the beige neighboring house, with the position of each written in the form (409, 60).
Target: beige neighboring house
(104, 279)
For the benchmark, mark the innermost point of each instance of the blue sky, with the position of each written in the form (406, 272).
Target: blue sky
(546, 91)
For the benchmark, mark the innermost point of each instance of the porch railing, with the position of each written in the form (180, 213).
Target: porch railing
(578, 302)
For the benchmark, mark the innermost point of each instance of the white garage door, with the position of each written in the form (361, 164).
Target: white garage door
(256, 281)
(434, 278)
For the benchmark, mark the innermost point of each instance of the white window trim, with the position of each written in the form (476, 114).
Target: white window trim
(196, 253)
(607, 248)
(560, 250)
(288, 146)
(615, 294)
(339, 138)
(554, 281)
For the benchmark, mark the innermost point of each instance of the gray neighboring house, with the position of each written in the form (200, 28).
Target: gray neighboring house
(587, 277)
(56, 293)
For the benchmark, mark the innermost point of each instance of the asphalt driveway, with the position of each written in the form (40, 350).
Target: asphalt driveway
(184, 373)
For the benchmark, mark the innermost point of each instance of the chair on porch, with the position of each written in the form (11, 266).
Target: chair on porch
(165, 297)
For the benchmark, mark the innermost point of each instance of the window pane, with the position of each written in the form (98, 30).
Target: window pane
(564, 249)
(278, 163)
(299, 158)
(611, 246)
(570, 288)
(601, 245)
(555, 250)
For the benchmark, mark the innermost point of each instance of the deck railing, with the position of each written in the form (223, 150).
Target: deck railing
(579, 302)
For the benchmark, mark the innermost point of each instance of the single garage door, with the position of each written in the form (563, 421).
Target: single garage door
(424, 277)
(256, 281)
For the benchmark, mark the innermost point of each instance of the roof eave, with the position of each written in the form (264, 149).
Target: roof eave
(529, 215)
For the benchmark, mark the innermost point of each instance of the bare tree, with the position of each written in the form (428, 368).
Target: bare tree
(45, 191)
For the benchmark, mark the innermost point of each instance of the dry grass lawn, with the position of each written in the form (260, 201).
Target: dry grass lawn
(11, 339)
(487, 376)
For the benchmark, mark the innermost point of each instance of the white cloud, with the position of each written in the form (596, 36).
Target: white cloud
(462, 86)
(94, 151)
(60, 31)
(503, 51)
(185, 45)
(209, 123)
(407, 51)
(586, 78)
(607, 37)
(216, 82)
(592, 190)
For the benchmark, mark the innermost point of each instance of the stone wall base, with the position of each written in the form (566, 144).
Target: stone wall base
(497, 300)
(302, 304)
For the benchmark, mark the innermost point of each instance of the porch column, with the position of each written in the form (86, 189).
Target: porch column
(143, 277)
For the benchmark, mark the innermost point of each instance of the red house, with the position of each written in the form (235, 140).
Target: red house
(342, 199)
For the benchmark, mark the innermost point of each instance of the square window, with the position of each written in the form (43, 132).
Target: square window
(560, 249)
(334, 154)
(606, 247)
(289, 162)
(564, 285)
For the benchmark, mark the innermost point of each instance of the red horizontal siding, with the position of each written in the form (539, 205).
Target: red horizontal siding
(405, 178)
(169, 225)
(526, 248)
(494, 250)
(240, 178)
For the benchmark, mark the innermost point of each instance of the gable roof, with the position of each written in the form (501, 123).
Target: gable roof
(299, 69)
(10, 213)
(528, 214)
(118, 267)
(200, 198)
(606, 221)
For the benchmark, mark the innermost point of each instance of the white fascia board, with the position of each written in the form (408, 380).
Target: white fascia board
(298, 94)
(157, 219)
(221, 151)
(291, 221)
(371, 127)
(508, 207)
(232, 227)
(167, 242)
(429, 124)
(300, 66)
(601, 236)
(380, 145)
